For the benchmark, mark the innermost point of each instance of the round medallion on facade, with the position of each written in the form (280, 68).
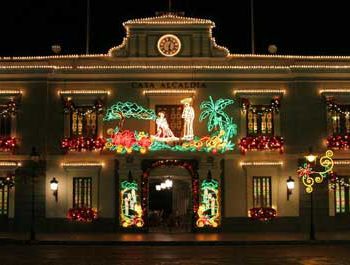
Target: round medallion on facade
(169, 45)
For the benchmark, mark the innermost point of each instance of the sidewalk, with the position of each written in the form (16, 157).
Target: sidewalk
(176, 238)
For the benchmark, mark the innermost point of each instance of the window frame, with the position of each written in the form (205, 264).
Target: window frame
(262, 196)
(88, 186)
(259, 122)
(346, 197)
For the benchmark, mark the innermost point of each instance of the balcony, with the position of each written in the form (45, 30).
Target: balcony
(82, 143)
(7, 143)
(261, 143)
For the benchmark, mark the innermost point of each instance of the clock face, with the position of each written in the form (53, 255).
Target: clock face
(169, 45)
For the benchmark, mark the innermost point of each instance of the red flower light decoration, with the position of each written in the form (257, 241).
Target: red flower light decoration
(262, 213)
(82, 143)
(7, 143)
(82, 214)
(261, 143)
(339, 142)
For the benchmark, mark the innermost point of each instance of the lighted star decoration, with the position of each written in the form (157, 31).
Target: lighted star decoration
(309, 177)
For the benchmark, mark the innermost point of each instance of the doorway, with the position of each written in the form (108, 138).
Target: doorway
(170, 204)
(170, 209)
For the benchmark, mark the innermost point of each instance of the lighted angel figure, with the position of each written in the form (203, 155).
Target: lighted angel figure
(164, 133)
(188, 116)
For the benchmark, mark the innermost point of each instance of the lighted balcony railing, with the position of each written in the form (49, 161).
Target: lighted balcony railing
(339, 142)
(261, 143)
(7, 144)
(81, 143)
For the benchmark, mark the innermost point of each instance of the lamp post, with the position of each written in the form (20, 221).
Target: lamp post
(34, 157)
(290, 186)
(54, 188)
(311, 158)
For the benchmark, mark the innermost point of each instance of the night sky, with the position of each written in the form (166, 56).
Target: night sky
(297, 27)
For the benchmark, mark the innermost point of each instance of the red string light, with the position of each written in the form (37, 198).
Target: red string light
(7, 143)
(262, 213)
(261, 143)
(82, 214)
(81, 143)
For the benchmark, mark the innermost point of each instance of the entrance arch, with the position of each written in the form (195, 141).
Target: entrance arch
(191, 165)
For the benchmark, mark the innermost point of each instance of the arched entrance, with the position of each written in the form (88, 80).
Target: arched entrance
(149, 182)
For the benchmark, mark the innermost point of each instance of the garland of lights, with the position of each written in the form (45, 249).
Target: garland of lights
(305, 172)
(274, 106)
(209, 209)
(9, 109)
(190, 165)
(82, 143)
(8, 181)
(338, 141)
(261, 143)
(70, 107)
(335, 180)
(220, 126)
(7, 143)
(82, 214)
(263, 214)
(131, 211)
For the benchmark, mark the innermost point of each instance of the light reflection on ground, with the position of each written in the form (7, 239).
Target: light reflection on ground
(175, 255)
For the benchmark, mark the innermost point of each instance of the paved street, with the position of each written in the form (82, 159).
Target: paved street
(174, 255)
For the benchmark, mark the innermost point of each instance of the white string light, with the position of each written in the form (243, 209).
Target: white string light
(262, 163)
(259, 91)
(82, 164)
(168, 91)
(77, 92)
(10, 164)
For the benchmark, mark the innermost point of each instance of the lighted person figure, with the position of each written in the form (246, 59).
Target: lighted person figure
(126, 204)
(164, 133)
(188, 116)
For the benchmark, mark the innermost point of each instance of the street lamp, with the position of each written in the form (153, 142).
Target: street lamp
(290, 186)
(309, 177)
(34, 157)
(311, 158)
(54, 187)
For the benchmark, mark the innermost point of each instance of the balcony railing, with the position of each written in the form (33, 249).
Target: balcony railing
(82, 143)
(7, 144)
(261, 143)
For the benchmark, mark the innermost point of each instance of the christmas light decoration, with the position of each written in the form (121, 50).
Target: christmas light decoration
(262, 213)
(131, 211)
(342, 162)
(69, 107)
(259, 91)
(8, 109)
(82, 214)
(335, 180)
(340, 91)
(10, 164)
(262, 163)
(83, 92)
(82, 164)
(209, 208)
(305, 172)
(274, 106)
(261, 143)
(10, 92)
(220, 126)
(8, 181)
(123, 110)
(81, 143)
(341, 142)
(7, 143)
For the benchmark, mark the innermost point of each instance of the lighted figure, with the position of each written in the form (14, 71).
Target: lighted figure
(209, 210)
(131, 211)
(164, 133)
(188, 116)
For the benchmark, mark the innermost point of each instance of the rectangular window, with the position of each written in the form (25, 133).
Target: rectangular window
(342, 197)
(82, 192)
(262, 192)
(260, 121)
(83, 122)
(340, 120)
(173, 115)
(4, 200)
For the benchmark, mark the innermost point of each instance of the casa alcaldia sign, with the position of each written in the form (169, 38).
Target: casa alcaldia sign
(168, 85)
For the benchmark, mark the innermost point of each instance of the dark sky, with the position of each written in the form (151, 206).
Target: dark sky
(296, 27)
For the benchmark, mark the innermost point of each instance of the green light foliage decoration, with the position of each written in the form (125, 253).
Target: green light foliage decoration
(209, 209)
(131, 211)
(221, 129)
(125, 110)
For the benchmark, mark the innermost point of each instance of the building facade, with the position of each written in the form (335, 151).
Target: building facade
(171, 125)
